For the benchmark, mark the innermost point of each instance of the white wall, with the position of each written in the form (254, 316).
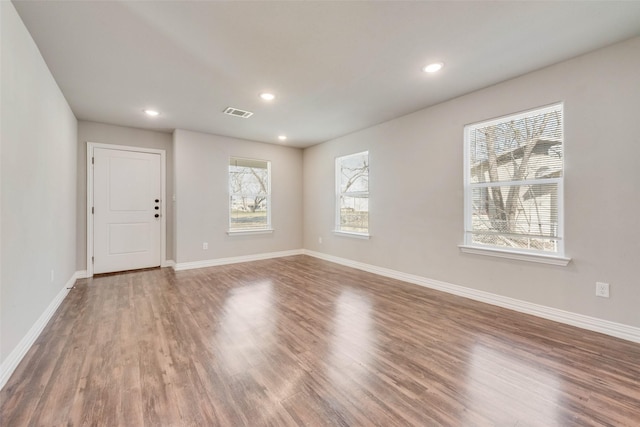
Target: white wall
(202, 208)
(38, 180)
(416, 186)
(118, 135)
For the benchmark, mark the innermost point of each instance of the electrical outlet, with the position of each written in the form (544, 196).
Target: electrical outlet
(602, 289)
(205, 245)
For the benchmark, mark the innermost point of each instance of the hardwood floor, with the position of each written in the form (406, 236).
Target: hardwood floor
(300, 341)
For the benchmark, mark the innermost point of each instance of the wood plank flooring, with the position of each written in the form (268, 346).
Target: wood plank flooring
(299, 341)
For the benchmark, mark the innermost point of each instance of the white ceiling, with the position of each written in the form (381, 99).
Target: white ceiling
(335, 67)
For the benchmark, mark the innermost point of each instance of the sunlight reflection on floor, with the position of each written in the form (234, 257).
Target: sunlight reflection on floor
(248, 325)
(501, 387)
(353, 338)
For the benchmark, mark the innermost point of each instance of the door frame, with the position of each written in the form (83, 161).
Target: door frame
(163, 192)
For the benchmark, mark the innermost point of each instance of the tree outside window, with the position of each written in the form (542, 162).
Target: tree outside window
(352, 193)
(249, 194)
(514, 177)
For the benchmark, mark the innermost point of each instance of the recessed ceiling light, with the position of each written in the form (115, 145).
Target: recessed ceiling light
(151, 113)
(267, 96)
(282, 137)
(432, 68)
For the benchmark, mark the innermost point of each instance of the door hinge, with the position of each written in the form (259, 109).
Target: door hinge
(92, 160)
(92, 209)
(92, 259)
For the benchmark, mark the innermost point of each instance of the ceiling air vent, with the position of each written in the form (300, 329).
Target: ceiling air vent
(237, 113)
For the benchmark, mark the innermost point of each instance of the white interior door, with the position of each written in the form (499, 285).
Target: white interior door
(127, 210)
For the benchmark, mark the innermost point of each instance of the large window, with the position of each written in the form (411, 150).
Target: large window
(352, 193)
(513, 182)
(249, 195)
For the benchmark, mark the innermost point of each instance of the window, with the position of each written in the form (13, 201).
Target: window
(352, 194)
(249, 195)
(513, 183)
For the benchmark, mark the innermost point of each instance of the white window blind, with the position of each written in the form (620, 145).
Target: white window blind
(514, 182)
(352, 193)
(249, 194)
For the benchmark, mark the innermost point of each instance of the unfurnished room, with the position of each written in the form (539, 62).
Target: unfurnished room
(319, 213)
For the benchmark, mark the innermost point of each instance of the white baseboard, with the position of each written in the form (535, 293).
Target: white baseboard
(614, 329)
(234, 260)
(82, 274)
(168, 263)
(15, 357)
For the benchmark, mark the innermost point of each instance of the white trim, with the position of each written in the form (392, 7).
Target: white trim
(519, 115)
(268, 195)
(521, 256)
(339, 194)
(249, 232)
(516, 183)
(469, 186)
(82, 274)
(163, 192)
(168, 263)
(352, 234)
(614, 329)
(234, 260)
(15, 357)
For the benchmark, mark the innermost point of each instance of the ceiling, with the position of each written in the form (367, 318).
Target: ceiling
(335, 67)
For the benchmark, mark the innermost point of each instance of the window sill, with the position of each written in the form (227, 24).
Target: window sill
(249, 232)
(521, 256)
(352, 234)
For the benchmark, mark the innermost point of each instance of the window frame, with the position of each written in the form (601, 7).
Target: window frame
(339, 194)
(256, 230)
(534, 255)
